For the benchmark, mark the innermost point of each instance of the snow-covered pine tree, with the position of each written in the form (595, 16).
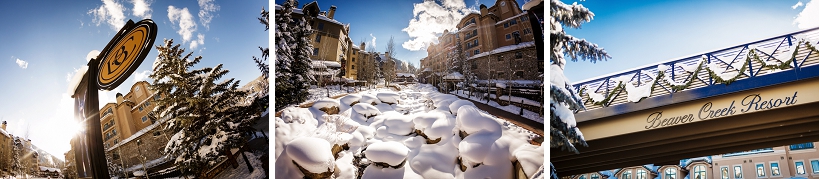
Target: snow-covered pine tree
(261, 62)
(300, 67)
(285, 87)
(204, 115)
(563, 99)
(16, 166)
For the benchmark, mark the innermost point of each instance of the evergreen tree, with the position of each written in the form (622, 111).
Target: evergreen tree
(16, 166)
(284, 56)
(564, 100)
(204, 115)
(262, 61)
(301, 61)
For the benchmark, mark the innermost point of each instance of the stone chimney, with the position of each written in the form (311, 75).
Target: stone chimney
(332, 12)
(3, 125)
(120, 98)
(484, 11)
(363, 46)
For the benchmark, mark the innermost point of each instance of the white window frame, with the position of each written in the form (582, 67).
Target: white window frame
(704, 170)
(735, 171)
(764, 172)
(779, 168)
(665, 173)
(811, 166)
(727, 174)
(796, 168)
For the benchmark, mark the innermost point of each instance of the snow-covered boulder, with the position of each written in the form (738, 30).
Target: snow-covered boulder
(298, 115)
(369, 99)
(453, 108)
(424, 120)
(391, 153)
(388, 97)
(366, 109)
(530, 158)
(350, 99)
(399, 124)
(384, 107)
(472, 121)
(474, 148)
(312, 154)
(328, 105)
(439, 130)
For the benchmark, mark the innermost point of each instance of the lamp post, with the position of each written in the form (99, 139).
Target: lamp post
(139, 151)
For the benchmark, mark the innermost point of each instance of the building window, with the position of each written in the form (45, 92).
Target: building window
(321, 26)
(626, 175)
(136, 89)
(477, 51)
(156, 97)
(475, 32)
(116, 141)
(519, 74)
(814, 164)
(699, 172)
(641, 174)
(140, 108)
(506, 25)
(144, 118)
(582, 177)
(508, 36)
(353, 66)
(318, 38)
(595, 176)
(800, 168)
(801, 146)
(475, 42)
(315, 51)
(724, 172)
(738, 171)
(514, 21)
(156, 133)
(500, 58)
(353, 58)
(523, 18)
(775, 169)
(760, 170)
(518, 55)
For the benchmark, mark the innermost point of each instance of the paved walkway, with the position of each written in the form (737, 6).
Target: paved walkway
(521, 121)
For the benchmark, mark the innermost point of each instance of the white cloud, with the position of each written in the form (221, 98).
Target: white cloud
(430, 19)
(22, 64)
(809, 17)
(798, 4)
(142, 8)
(92, 54)
(142, 76)
(184, 18)
(206, 8)
(200, 40)
(110, 12)
(372, 43)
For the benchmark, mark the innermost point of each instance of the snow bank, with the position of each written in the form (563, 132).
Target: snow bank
(453, 108)
(472, 121)
(298, 115)
(349, 99)
(312, 154)
(530, 158)
(475, 147)
(326, 103)
(369, 99)
(388, 97)
(392, 153)
(366, 109)
(425, 120)
(399, 124)
(435, 161)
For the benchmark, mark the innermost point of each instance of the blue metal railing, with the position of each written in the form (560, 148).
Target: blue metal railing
(731, 59)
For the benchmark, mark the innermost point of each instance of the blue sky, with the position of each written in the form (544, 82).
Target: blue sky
(381, 19)
(44, 42)
(638, 33)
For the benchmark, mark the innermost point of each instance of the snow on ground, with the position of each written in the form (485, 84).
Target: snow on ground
(419, 136)
(508, 108)
(317, 93)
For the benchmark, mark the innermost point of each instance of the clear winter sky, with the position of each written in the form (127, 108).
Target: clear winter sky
(44, 42)
(377, 20)
(638, 33)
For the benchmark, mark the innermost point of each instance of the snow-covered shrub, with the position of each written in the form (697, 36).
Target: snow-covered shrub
(453, 108)
(298, 115)
(312, 155)
(366, 109)
(393, 154)
(369, 99)
(472, 121)
(388, 97)
(328, 105)
(350, 99)
(399, 124)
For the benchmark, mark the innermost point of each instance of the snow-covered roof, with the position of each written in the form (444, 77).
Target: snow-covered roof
(454, 76)
(324, 64)
(49, 169)
(322, 17)
(405, 75)
(686, 162)
(531, 4)
(427, 69)
(504, 49)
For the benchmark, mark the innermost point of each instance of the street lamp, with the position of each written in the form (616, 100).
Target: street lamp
(139, 151)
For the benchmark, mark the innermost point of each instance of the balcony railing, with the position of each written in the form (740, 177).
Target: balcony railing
(720, 67)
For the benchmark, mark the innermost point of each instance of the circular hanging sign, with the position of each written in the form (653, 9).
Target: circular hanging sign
(129, 50)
